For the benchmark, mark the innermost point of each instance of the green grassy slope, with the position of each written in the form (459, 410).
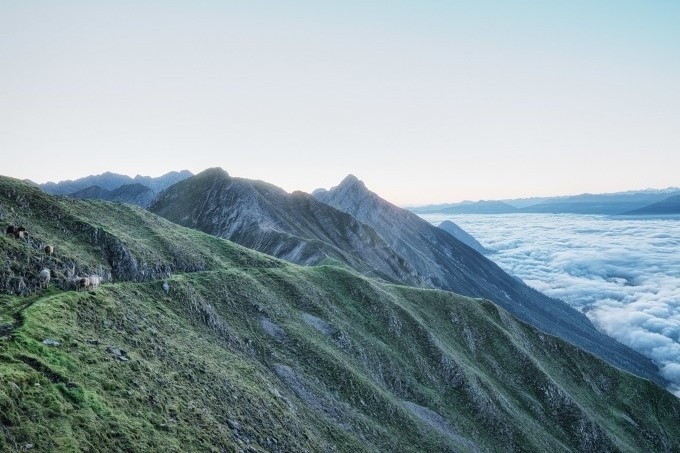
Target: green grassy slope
(246, 353)
(115, 241)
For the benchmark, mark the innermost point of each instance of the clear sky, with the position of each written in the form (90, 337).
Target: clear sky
(426, 101)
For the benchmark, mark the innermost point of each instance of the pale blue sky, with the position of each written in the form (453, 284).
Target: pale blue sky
(427, 101)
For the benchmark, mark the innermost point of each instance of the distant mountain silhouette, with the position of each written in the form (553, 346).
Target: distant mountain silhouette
(608, 204)
(112, 181)
(477, 207)
(670, 205)
(603, 204)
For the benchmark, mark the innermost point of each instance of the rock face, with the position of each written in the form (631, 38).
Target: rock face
(450, 265)
(463, 236)
(295, 227)
(607, 204)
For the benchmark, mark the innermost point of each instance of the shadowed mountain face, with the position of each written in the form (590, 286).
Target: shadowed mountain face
(294, 227)
(450, 265)
(241, 351)
(135, 193)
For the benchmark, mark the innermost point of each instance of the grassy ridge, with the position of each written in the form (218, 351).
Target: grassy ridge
(200, 363)
(116, 241)
(249, 353)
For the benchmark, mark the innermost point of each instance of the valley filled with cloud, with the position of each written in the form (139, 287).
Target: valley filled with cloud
(624, 274)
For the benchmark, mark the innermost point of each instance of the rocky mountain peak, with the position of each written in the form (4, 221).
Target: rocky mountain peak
(213, 175)
(214, 172)
(351, 181)
(351, 196)
(351, 190)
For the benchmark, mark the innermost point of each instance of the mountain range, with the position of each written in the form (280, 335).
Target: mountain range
(604, 204)
(477, 207)
(449, 264)
(295, 227)
(667, 206)
(352, 226)
(193, 342)
(139, 190)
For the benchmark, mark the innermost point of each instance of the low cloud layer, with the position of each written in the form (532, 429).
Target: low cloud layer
(624, 274)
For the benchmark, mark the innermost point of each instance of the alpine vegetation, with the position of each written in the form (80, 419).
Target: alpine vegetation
(352, 227)
(194, 343)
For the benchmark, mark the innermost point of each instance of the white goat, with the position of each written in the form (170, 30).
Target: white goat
(44, 278)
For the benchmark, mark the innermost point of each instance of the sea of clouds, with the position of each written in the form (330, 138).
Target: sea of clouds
(624, 274)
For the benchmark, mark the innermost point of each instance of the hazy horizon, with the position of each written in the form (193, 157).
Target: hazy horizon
(368, 184)
(429, 102)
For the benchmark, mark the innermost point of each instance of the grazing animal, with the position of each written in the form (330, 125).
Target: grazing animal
(95, 280)
(18, 232)
(166, 287)
(49, 250)
(83, 283)
(21, 233)
(44, 278)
